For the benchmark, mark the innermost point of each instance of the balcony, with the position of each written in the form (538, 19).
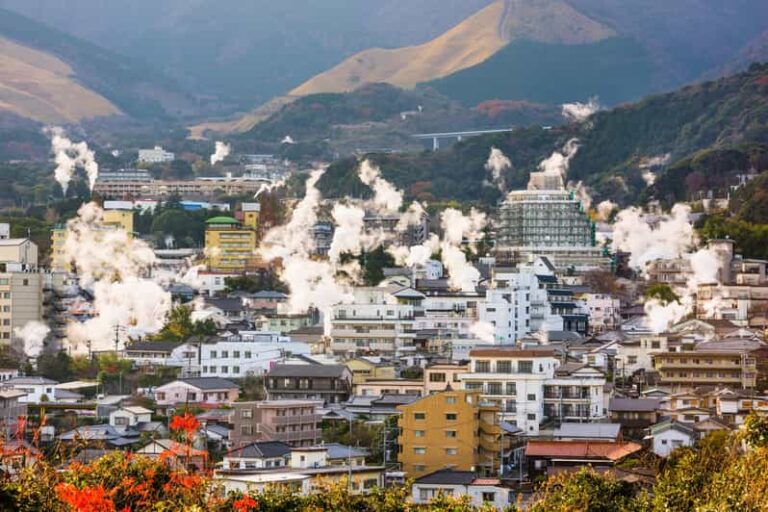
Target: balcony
(270, 433)
(293, 420)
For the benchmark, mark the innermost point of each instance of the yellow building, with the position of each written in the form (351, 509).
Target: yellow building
(451, 429)
(121, 219)
(229, 247)
(363, 369)
(251, 212)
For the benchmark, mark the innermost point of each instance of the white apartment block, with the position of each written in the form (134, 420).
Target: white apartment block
(248, 353)
(530, 386)
(604, 311)
(157, 155)
(381, 319)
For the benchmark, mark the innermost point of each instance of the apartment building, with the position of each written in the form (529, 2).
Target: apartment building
(212, 187)
(378, 321)
(531, 386)
(330, 383)
(21, 302)
(452, 429)
(21, 251)
(294, 422)
(442, 375)
(156, 155)
(229, 247)
(688, 369)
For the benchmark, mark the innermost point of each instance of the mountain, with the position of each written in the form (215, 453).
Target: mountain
(245, 52)
(39, 86)
(471, 42)
(710, 131)
(50, 76)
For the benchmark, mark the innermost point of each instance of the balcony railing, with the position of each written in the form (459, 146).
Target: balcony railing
(291, 420)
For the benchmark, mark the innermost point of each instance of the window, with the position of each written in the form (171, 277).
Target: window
(483, 366)
(631, 359)
(451, 451)
(213, 354)
(450, 400)
(235, 369)
(451, 416)
(511, 388)
(246, 414)
(225, 369)
(419, 415)
(246, 430)
(532, 397)
(450, 433)
(525, 366)
(504, 367)
(236, 354)
(213, 369)
(247, 354)
(474, 386)
(489, 496)
(436, 377)
(532, 417)
(418, 433)
(494, 388)
(224, 354)
(419, 450)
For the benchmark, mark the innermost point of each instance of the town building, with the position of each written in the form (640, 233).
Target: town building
(294, 422)
(11, 409)
(201, 390)
(452, 429)
(441, 375)
(481, 492)
(263, 454)
(36, 389)
(365, 368)
(330, 383)
(669, 435)
(552, 457)
(20, 253)
(21, 302)
(156, 155)
(718, 366)
(229, 247)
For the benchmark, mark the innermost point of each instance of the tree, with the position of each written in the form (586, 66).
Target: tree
(179, 326)
(662, 292)
(374, 263)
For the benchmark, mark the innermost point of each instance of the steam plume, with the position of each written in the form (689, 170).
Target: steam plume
(580, 112)
(222, 152)
(496, 164)
(32, 335)
(69, 156)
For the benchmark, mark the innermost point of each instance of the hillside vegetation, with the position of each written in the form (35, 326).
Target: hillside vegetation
(730, 113)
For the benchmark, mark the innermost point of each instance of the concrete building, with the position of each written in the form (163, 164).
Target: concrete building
(330, 383)
(36, 389)
(157, 155)
(294, 422)
(531, 386)
(442, 375)
(229, 247)
(11, 409)
(701, 367)
(200, 188)
(551, 222)
(452, 429)
(197, 391)
(250, 213)
(21, 251)
(482, 492)
(21, 302)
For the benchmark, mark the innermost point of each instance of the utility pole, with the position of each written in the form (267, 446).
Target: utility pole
(117, 336)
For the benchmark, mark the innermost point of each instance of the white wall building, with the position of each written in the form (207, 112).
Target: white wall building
(157, 155)
(248, 353)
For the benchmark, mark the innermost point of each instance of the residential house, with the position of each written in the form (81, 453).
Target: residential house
(294, 422)
(671, 434)
(378, 387)
(608, 432)
(12, 409)
(482, 492)
(201, 390)
(37, 389)
(329, 383)
(634, 414)
(552, 457)
(450, 429)
(129, 416)
(177, 454)
(365, 368)
(378, 407)
(441, 375)
(263, 454)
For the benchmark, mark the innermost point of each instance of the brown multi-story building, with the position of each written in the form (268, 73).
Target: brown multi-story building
(294, 422)
(692, 368)
(330, 383)
(450, 429)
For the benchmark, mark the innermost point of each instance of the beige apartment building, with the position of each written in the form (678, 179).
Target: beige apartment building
(21, 301)
(294, 422)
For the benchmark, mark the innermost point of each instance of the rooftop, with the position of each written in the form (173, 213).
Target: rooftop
(210, 383)
(581, 449)
(307, 370)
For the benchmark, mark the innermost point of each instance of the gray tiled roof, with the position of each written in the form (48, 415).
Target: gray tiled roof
(210, 383)
(308, 370)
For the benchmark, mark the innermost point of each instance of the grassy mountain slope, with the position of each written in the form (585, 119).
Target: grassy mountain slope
(133, 88)
(469, 43)
(728, 113)
(38, 86)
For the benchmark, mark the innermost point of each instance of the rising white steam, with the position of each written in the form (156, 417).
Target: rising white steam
(269, 187)
(581, 193)
(666, 237)
(287, 140)
(497, 163)
(387, 198)
(116, 267)
(559, 161)
(484, 331)
(580, 112)
(456, 228)
(32, 335)
(69, 156)
(604, 209)
(221, 152)
(649, 164)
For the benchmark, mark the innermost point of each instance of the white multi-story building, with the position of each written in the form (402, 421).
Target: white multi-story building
(248, 353)
(530, 386)
(604, 311)
(380, 320)
(157, 155)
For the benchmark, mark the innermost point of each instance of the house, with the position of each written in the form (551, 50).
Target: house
(308, 469)
(37, 389)
(129, 416)
(8, 374)
(670, 434)
(263, 454)
(377, 387)
(378, 408)
(365, 368)
(11, 409)
(200, 390)
(448, 482)
(551, 457)
(217, 434)
(634, 414)
(609, 432)
(161, 353)
(175, 453)
(441, 374)
(101, 435)
(329, 383)
(295, 422)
